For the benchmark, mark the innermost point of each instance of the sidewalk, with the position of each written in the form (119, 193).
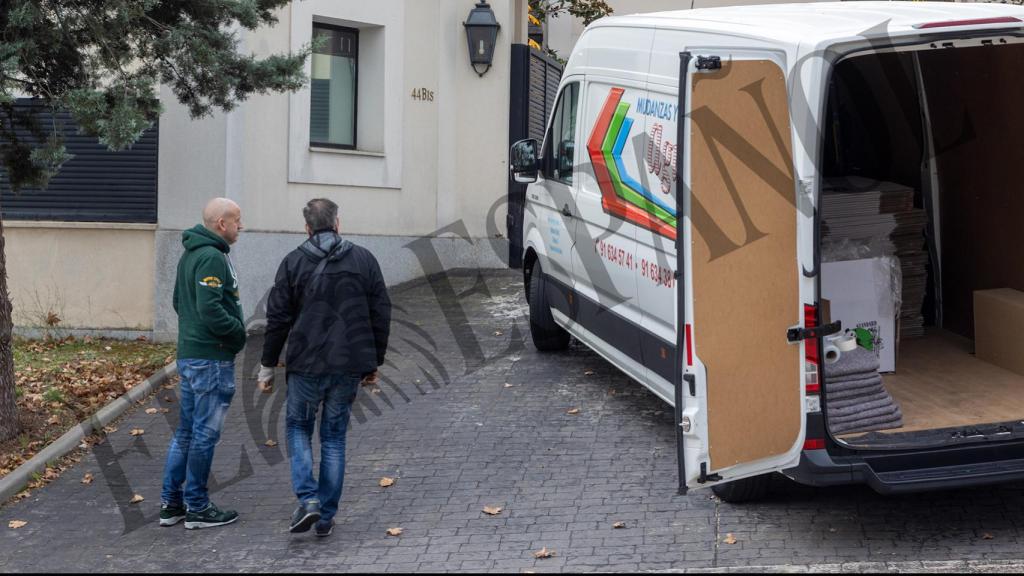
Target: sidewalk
(470, 415)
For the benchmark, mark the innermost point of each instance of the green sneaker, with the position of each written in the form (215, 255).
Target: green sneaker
(171, 515)
(209, 517)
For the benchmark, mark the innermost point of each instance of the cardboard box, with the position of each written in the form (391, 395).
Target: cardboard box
(861, 295)
(999, 328)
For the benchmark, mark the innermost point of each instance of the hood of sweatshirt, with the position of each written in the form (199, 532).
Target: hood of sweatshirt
(199, 236)
(326, 244)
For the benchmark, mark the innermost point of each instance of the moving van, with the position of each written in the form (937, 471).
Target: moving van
(723, 195)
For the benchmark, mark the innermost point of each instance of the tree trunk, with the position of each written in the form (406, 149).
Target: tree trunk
(8, 408)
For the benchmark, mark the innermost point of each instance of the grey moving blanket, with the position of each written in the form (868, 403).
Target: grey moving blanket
(855, 398)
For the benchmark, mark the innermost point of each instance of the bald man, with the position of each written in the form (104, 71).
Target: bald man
(210, 332)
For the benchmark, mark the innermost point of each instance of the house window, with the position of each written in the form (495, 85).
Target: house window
(333, 82)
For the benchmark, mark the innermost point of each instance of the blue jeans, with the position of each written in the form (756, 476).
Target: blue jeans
(207, 387)
(305, 395)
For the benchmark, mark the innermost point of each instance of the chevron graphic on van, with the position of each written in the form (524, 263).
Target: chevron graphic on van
(622, 195)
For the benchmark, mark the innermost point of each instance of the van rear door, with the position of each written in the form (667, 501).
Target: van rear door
(740, 404)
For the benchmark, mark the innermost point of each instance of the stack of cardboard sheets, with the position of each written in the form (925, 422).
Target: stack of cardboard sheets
(882, 214)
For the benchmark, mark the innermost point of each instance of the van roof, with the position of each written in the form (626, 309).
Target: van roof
(818, 22)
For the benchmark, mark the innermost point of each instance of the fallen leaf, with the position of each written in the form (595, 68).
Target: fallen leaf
(23, 494)
(87, 479)
(394, 531)
(729, 539)
(507, 385)
(987, 536)
(54, 420)
(151, 410)
(619, 525)
(385, 482)
(588, 373)
(498, 332)
(270, 443)
(110, 429)
(168, 399)
(107, 348)
(492, 510)
(137, 432)
(165, 410)
(573, 411)
(544, 553)
(136, 499)
(15, 524)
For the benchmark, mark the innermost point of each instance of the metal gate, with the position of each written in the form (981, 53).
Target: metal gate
(534, 86)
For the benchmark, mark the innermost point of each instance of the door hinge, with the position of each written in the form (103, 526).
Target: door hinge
(692, 381)
(801, 334)
(704, 478)
(709, 62)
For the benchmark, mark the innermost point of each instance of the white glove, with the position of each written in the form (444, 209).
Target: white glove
(266, 375)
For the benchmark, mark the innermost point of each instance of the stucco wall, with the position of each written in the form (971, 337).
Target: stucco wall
(90, 276)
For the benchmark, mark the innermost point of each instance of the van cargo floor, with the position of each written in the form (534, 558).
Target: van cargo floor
(939, 383)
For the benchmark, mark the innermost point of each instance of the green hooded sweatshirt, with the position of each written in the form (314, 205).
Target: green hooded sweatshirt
(210, 325)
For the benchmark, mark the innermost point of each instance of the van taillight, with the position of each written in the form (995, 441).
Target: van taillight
(814, 444)
(974, 22)
(811, 381)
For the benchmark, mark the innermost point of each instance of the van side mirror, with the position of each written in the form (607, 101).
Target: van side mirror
(522, 161)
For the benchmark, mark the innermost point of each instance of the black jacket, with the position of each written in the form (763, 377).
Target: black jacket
(336, 323)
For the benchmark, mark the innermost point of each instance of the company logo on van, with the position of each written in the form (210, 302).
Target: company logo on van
(621, 194)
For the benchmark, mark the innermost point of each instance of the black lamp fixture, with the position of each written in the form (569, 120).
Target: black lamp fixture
(482, 34)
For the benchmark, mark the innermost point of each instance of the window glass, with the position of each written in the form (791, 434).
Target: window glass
(561, 142)
(332, 107)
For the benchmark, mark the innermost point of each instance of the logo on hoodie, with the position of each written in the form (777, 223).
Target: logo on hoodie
(211, 282)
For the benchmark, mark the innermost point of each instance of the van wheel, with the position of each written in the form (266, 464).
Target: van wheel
(745, 490)
(547, 335)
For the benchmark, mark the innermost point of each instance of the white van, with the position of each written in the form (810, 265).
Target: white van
(805, 136)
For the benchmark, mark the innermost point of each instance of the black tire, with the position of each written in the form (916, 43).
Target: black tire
(547, 335)
(745, 490)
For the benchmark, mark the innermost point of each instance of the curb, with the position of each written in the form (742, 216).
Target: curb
(17, 479)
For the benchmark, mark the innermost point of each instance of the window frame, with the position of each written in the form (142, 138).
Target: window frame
(355, 106)
(549, 154)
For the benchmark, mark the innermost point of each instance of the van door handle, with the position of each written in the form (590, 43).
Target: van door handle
(566, 212)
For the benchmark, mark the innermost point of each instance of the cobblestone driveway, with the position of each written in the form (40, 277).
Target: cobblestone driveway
(470, 415)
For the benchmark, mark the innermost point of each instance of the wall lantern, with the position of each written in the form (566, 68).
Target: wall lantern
(482, 34)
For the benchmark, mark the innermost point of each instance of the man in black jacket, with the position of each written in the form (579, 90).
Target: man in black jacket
(330, 302)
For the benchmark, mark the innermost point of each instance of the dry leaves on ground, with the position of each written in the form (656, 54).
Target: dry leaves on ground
(492, 510)
(137, 432)
(573, 411)
(394, 531)
(270, 443)
(151, 410)
(136, 499)
(987, 536)
(544, 553)
(385, 482)
(15, 524)
(87, 479)
(729, 538)
(110, 429)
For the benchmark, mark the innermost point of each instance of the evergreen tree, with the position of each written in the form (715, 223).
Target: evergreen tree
(102, 61)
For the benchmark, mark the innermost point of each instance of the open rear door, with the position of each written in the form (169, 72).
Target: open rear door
(739, 398)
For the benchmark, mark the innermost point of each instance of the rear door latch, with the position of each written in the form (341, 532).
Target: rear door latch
(800, 334)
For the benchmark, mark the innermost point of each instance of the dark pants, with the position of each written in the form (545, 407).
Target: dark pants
(305, 396)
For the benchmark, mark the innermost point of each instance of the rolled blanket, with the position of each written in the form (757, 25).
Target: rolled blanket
(853, 377)
(855, 361)
(869, 424)
(859, 408)
(857, 400)
(888, 410)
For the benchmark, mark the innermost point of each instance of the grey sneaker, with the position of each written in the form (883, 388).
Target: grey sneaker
(209, 517)
(171, 514)
(305, 516)
(324, 530)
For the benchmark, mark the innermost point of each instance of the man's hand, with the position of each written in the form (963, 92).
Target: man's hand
(265, 379)
(371, 379)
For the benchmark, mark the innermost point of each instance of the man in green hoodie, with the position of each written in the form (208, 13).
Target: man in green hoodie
(210, 332)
